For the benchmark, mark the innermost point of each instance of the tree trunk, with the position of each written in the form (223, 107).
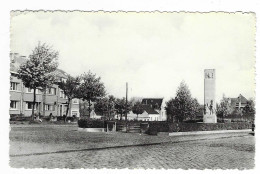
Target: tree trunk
(43, 101)
(121, 115)
(34, 99)
(89, 109)
(67, 110)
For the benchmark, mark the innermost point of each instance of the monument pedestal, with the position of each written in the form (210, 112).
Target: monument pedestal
(209, 118)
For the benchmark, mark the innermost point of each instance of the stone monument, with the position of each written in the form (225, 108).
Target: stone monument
(209, 115)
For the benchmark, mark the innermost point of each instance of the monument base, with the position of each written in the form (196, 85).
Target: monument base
(207, 118)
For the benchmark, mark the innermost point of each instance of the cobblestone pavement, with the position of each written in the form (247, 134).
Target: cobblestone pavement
(224, 153)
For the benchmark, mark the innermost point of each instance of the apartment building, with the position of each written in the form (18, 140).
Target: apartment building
(52, 101)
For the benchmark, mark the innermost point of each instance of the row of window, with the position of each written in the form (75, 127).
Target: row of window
(29, 105)
(51, 91)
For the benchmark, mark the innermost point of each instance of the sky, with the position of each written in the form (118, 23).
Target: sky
(153, 52)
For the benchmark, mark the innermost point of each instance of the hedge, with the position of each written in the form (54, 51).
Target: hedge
(88, 123)
(187, 127)
(160, 126)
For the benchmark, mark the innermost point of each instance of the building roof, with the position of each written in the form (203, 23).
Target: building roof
(154, 102)
(240, 98)
(149, 109)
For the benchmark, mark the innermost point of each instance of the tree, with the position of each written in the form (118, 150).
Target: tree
(101, 106)
(223, 109)
(183, 106)
(121, 108)
(106, 106)
(111, 106)
(39, 70)
(69, 87)
(250, 107)
(138, 108)
(91, 88)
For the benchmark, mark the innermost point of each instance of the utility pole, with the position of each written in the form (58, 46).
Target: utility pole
(126, 105)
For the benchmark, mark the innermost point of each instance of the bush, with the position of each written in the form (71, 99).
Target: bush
(88, 123)
(144, 127)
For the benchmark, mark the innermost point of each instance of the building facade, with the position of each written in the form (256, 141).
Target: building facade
(52, 101)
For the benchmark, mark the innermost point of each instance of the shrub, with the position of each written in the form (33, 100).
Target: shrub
(144, 127)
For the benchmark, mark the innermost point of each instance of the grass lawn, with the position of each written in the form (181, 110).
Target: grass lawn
(25, 139)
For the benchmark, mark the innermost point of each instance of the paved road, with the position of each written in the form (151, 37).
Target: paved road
(225, 153)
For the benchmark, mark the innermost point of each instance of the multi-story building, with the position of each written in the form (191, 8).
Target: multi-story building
(52, 101)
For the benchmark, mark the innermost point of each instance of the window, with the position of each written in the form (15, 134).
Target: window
(13, 86)
(74, 113)
(29, 90)
(54, 91)
(62, 94)
(29, 105)
(13, 105)
(75, 101)
(49, 107)
(38, 91)
(51, 91)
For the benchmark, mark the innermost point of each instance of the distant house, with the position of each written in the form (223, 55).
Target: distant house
(238, 103)
(149, 114)
(155, 108)
(153, 111)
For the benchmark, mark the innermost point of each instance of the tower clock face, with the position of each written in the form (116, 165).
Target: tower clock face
(209, 75)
